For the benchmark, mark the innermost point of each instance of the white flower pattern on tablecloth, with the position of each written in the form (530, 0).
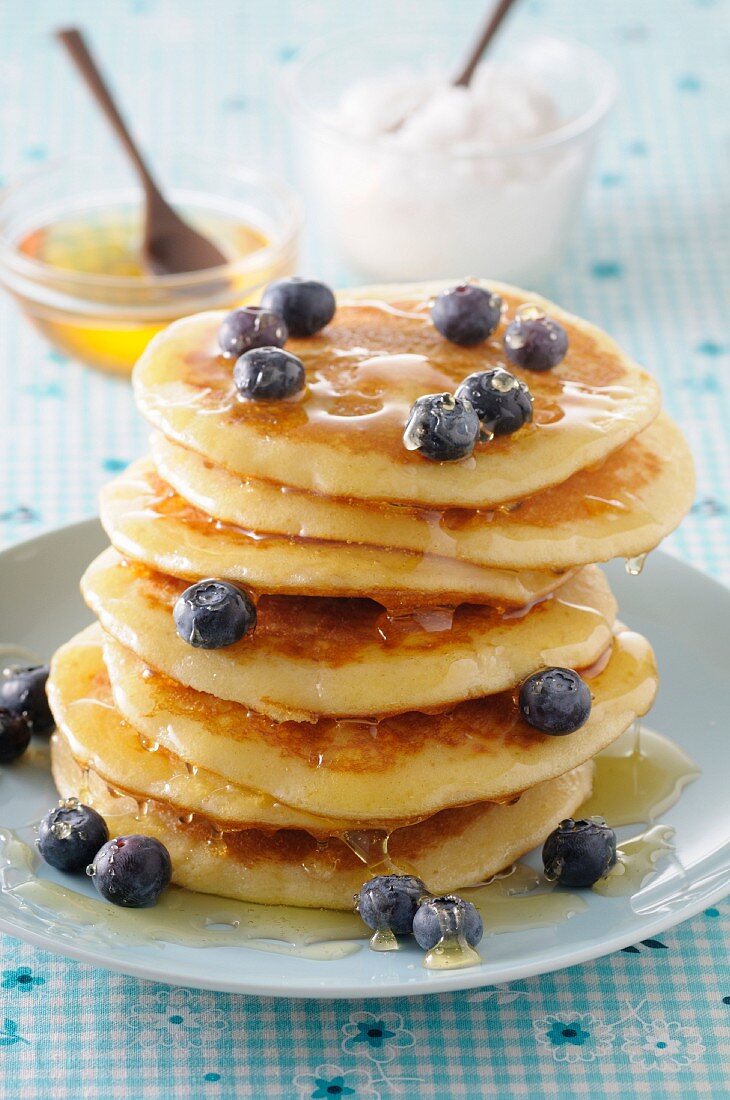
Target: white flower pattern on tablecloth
(662, 1044)
(575, 1037)
(328, 1082)
(177, 1017)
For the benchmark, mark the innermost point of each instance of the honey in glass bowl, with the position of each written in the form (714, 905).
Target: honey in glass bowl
(70, 252)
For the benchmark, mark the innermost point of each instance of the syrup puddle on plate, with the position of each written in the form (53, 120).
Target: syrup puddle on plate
(636, 779)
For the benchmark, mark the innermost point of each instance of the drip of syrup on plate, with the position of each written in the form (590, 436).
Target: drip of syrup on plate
(636, 862)
(635, 565)
(638, 778)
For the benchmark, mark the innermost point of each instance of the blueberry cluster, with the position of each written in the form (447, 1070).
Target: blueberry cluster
(24, 709)
(401, 904)
(255, 335)
(467, 314)
(131, 871)
(488, 403)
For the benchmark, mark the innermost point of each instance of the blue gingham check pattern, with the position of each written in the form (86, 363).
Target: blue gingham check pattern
(650, 263)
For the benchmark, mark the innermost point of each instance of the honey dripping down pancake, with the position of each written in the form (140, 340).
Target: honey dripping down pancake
(343, 435)
(311, 656)
(365, 711)
(621, 507)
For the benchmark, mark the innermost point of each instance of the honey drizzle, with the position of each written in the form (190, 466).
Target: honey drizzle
(452, 952)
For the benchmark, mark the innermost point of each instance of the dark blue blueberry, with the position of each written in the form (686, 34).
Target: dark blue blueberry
(501, 401)
(390, 902)
(466, 314)
(268, 374)
(15, 733)
(251, 327)
(555, 700)
(23, 691)
(442, 427)
(70, 836)
(131, 871)
(212, 614)
(439, 918)
(305, 305)
(535, 342)
(579, 853)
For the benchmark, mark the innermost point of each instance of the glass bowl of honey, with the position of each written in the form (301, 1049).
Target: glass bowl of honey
(70, 238)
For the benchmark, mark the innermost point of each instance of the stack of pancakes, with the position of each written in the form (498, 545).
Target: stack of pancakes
(370, 721)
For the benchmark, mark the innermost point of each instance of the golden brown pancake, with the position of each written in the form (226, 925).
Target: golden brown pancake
(311, 656)
(404, 766)
(343, 435)
(621, 507)
(99, 739)
(450, 850)
(148, 522)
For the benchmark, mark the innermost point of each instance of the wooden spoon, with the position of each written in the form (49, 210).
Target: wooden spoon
(476, 53)
(169, 245)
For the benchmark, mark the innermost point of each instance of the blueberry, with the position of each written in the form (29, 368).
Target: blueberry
(442, 427)
(501, 401)
(131, 871)
(70, 836)
(305, 305)
(15, 733)
(268, 374)
(578, 853)
(447, 916)
(212, 614)
(535, 342)
(390, 901)
(23, 691)
(555, 700)
(251, 327)
(466, 314)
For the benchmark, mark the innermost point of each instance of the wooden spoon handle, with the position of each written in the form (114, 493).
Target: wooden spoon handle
(492, 25)
(75, 44)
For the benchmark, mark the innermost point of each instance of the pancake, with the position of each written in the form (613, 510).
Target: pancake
(311, 656)
(451, 850)
(622, 507)
(99, 739)
(148, 522)
(409, 765)
(343, 435)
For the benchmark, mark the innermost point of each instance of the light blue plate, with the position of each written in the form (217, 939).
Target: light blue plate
(684, 614)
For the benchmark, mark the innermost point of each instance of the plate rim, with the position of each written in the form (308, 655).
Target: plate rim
(305, 988)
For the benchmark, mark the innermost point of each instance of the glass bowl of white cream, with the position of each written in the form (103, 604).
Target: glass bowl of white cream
(409, 177)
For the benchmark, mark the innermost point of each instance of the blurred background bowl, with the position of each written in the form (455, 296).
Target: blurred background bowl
(69, 239)
(395, 213)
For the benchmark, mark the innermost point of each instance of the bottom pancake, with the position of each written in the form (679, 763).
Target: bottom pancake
(450, 850)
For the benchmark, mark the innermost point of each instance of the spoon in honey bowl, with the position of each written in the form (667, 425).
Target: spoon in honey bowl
(169, 245)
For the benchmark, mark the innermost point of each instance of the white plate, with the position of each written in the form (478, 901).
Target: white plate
(684, 614)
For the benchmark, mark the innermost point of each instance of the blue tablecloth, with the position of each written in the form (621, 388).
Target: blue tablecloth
(650, 263)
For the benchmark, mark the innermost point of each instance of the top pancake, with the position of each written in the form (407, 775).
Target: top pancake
(343, 436)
